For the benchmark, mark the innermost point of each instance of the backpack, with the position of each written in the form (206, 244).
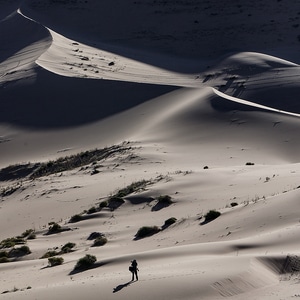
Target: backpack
(131, 268)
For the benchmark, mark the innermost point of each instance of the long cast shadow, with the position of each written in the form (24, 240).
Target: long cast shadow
(121, 286)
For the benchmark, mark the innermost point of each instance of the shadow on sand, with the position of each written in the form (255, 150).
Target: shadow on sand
(121, 286)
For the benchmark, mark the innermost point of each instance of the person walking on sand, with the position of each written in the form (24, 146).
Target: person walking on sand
(134, 270)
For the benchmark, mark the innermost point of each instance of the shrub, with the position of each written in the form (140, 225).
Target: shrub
(55, 261)
(233, 204)
(23, 250)
(146, 231)
(67, 247)
(3, 260)
(165, 199)
(100, 241)
(85, 262)
(249, 163)
(76, 218)
(133, 187)
(115, 202)
(3, 254)
(170, 221)
(95, 235)
(103, 204)
(11, 242)
(54, 228)
(211, 215)
(50, 254)
(92, 210)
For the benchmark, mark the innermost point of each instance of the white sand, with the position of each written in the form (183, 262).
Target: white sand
(196, 91)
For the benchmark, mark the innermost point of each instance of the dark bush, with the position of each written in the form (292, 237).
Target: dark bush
(146, 231)
(211, 215)
(55, 261)
(85, 262)
(50, 254)
(67, 247)
(170, 221)
(100, 241)
(76, 218)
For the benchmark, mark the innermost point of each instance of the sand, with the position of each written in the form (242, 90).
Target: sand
(201, 101)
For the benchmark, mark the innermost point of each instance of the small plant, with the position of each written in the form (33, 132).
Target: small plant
(146, 231)
(11, 242)
(50, 253)
(85, 262)
(4, 260)
(67, 247)
(211, 215)
(100, 241)
(103, 204)
(92, 210)
(233, 204)
(115, 202)
(54, 228)
(55, 261)
(249, 164)
(76, 218)
(29, 234)
(23, 250)
(165, 199)
(169, 222)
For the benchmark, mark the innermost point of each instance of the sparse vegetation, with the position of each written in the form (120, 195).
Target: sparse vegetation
(67, 247)
(11, 242)
(55, 261)
(100, 241)
(249, 163)
(103, 204)
(76, 218)
(92, 210)
(169, 222)
(50, 253)
(146, 231)
(211, 215)
(20, 251)
(165, 199)
(233, 204)
(131, 188)
(74, 161)
(85, 262)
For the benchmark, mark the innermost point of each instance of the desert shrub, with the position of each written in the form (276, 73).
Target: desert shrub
(165, 199)
(4, 259)
(11, 242)
(133, 187)
(100, 241)
(103, 204)
(115, 202)
(76, 218)
(95, 235)
(55, 261)
(50, 253)
(249, 163)
(146, 231)
(233, 204)
(205, 168)
(20, 251)
(92, 210)
(54, 228)
(211, 215)
(170, 221)
(85, 262)
(29, 234)
(67, 247)
(3, 254)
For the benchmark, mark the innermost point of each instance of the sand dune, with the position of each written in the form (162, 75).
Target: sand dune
(201, 99)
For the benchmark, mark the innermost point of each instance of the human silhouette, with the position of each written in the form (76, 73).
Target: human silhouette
(134, 270)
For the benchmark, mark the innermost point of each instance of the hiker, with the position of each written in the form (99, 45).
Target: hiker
(134, 270)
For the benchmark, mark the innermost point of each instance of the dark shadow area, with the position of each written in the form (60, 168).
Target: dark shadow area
(54, 101)
(94, 266)
(12, 31)
(160, 205)
(17, 171)
(139, 200)
(121, 286)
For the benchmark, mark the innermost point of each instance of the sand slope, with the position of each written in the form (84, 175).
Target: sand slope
(201, 99)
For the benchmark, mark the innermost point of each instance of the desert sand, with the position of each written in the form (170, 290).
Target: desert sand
(194, 100)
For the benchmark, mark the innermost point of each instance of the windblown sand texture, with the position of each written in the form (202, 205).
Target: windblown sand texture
(196, 100)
